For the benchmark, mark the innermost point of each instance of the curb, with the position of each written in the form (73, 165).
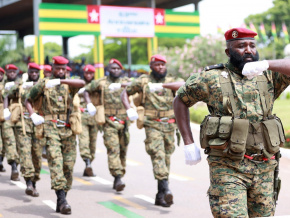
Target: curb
(284, 151)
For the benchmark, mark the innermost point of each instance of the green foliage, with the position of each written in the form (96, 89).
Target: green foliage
(171, 42)
(52, 49)
(194, 55)
(198, 113)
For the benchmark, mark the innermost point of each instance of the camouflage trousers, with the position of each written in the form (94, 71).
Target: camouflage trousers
(241, 189)
(116, 142)
(2, 150)
(9, 142)
(159, 145)
(61, 155)
(30, 151)
(87, 141)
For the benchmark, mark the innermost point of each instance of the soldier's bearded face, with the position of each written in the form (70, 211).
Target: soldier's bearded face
(89, 76)
(59, 71)
(11, 75)
(115, 70)
(33, 74)
(158, 69)
(239, 60)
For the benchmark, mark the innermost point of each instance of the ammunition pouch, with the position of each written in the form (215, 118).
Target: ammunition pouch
(76, 122)
(15, 112)
(2, 112)
(39, 133)
(140, 120)
(100, 115)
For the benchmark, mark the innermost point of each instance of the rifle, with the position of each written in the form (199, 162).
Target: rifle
(277, 180)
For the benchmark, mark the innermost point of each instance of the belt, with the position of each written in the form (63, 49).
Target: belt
(165, 120)
(84, 110)
(26, 115)
(55, 117)
(156, 113)
(60, 123)
(260, 157)
(115, 111)
(117, 120)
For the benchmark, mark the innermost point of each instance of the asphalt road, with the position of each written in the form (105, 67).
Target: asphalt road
(94, 197)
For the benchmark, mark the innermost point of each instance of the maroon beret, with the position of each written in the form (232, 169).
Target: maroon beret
(115, 61)
(239, 33)
(47, 68)
(89, 68)
(2, 70)
(11, 67)
(158, 57)
(59, 60)
(68, 68)
(33, 66)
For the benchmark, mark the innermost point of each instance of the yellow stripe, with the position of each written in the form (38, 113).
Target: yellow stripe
(101, 58)
(181, 18)
(69, 26)
(177, 29)
(82, 181)
(53, 13)
(130, 203)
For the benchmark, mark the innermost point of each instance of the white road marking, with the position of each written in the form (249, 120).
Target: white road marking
(19, 184)
(179, 177)
(101, 180)
(133, 163)
(145, 198)
(50, 203)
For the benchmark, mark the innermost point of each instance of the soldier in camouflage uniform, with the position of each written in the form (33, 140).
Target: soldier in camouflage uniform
(241, 164)
(2, 151)
(116, 135)
(8, 136)
(28, 146)
(159, 122)
(56, 97)
(88, 137)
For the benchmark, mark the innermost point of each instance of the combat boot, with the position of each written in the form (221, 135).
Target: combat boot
(29, 187)
(2, 169)
(14, 171)
(62, 206)
(118, 184)
(168, 196)
(88, 170)
(159, 199)
(35, 192)
(44, 155)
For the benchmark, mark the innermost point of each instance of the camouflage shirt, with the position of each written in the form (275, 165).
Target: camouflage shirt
(206, 87)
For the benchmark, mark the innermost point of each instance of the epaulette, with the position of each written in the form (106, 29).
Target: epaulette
(216, 66)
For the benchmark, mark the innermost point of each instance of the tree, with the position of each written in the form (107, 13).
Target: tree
(194, 55)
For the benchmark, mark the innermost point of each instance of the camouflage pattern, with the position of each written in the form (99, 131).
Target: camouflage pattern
(159, 140)
(159, 146)
(2, 150)
(241, 189)
(237, 189)
(60, 141)
(116, 135)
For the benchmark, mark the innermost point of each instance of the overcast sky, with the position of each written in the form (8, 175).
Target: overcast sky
(213, 13)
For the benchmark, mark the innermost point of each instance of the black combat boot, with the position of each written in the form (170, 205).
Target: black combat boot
(62, 206)
(118, 184)
(88, 170)
(14, 171)
(35, 192)
(2, 169)
(29, 186)
(159, 200)
(168, 197)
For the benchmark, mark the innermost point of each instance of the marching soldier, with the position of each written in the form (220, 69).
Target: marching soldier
(2, 150)
(56, 95)
(47, 71)
(88, 137)
(8, 135)
(115, 123)
(156, 115)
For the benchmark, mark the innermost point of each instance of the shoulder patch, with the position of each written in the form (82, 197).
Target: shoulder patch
(216, 66)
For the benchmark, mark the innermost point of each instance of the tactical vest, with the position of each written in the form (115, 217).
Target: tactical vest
(230, 136)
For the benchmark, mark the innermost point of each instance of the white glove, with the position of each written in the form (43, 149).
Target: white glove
(82, 90)
(7, 114)
(192, 154)
(114, 86)
(155, 86)
(27, 85)
(132, 114)
(9, 85)
(52, 83)
(37, 119)
(91, 109)
(256, 68)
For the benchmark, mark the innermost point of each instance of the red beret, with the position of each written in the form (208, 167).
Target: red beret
(68, 68)
(59, 60)
(158, 57)
(11, 67)
(115, 61)
(33, 66)
(239, 33)
(47, 68)
(2, 70)
(89, 68)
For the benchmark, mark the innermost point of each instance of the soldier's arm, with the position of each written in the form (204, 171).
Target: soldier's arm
(182, 117)
(91, 87)
(87, 97)
(29, 107)
(125, 99)
(75, 83)
(173, 86)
